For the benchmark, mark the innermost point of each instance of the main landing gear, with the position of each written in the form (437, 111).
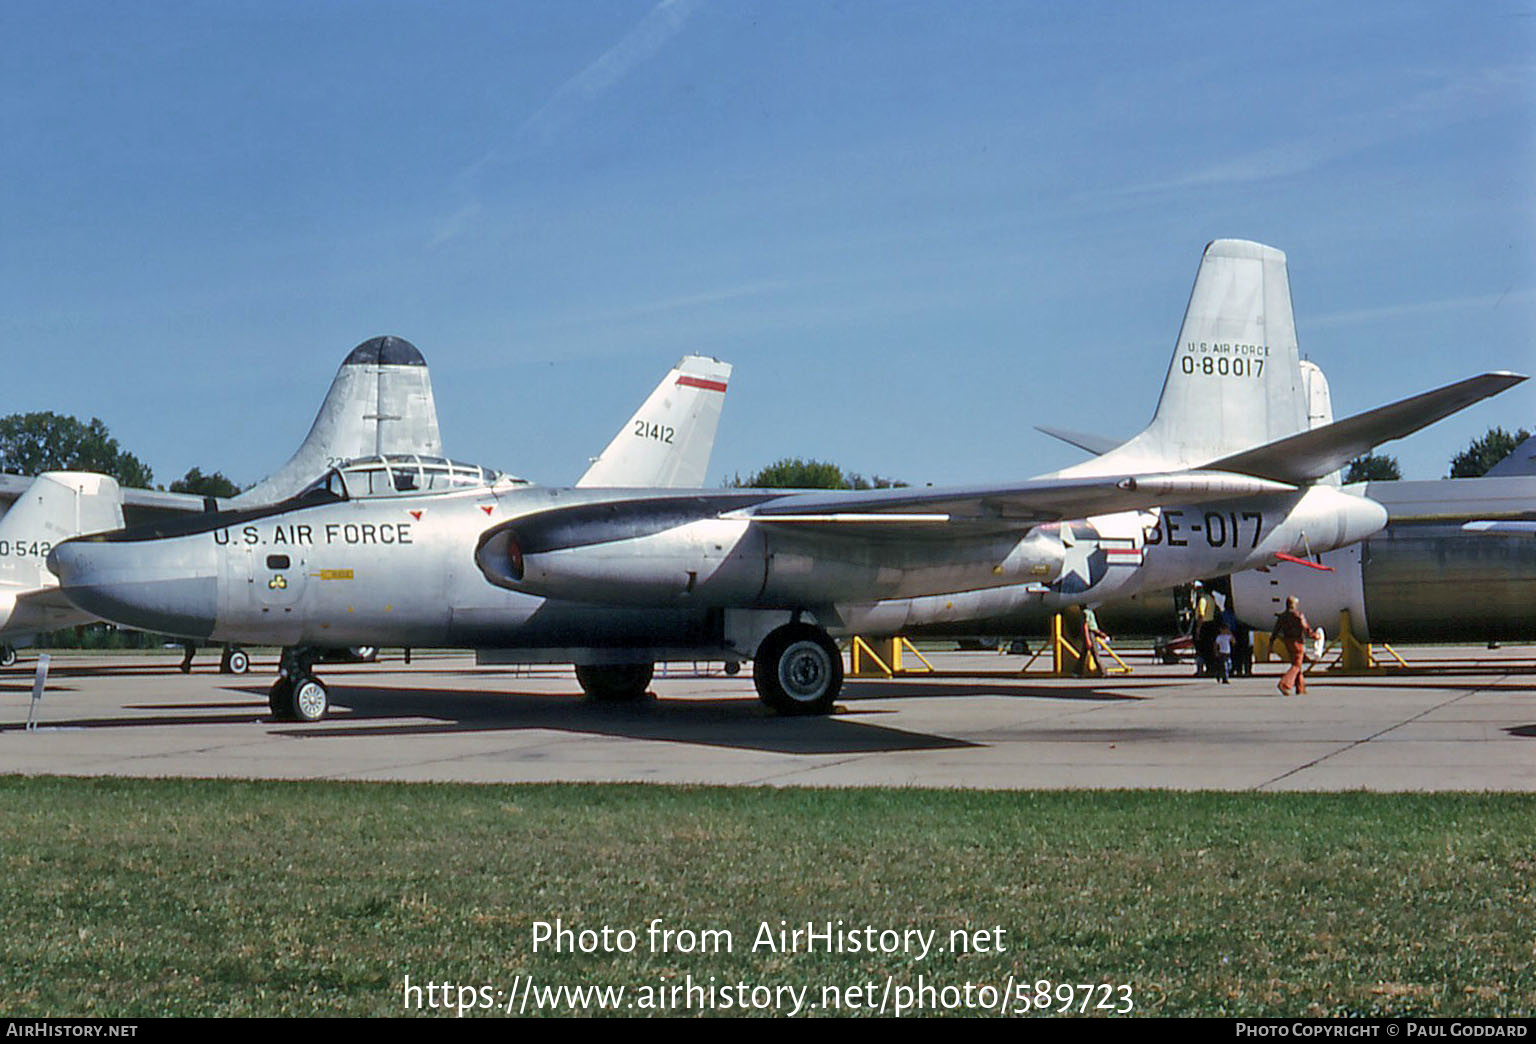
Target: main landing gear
(798, 669)
(297, 695)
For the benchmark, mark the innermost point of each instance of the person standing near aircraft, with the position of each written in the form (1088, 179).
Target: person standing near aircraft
(1292, 629)
(1089, 665)
(1223, 654)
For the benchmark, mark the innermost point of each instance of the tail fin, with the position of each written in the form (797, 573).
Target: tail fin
(1521, 461)
(1319, 407)
(1235, 379)
(380, 402)
(668, 442)
(56, 506)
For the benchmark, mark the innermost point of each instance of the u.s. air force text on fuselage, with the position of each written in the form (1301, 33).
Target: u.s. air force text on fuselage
(301, 534)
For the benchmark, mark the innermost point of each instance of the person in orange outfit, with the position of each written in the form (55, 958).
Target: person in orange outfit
(1292, 629)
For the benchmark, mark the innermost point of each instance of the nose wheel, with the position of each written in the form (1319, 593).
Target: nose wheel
(297, 695)
(234, 660)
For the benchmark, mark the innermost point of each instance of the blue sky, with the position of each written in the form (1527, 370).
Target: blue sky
(917, 229)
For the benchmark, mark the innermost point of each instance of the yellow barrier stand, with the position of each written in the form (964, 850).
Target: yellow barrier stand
(1355, 655)
(1124, 667)
(864, 662)
(1358, 656)
(1064, 654)
(882, 658)
(897, 644)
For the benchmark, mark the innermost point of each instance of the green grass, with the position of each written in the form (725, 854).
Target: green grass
(129, 898)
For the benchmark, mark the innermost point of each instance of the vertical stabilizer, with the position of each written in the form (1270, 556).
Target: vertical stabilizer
(380, 402)
(56, 506)
(1521, 461)
(1235, 379)
(669, 440)
(1319, 406)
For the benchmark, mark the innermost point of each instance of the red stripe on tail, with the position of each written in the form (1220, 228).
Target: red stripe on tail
(700, 382)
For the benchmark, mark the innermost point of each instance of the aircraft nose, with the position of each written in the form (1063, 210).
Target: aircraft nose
(169, 586)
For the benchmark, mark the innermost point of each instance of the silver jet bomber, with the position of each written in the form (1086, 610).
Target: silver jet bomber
(266, 577)
(617, 580)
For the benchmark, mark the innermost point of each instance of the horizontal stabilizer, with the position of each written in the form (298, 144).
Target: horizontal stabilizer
(1310, 455)
(1095, 444)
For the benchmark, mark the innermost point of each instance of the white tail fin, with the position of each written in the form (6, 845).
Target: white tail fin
(56, 506)
(1319, 406)
(1235, 380)
(668, 442)
(380, 402)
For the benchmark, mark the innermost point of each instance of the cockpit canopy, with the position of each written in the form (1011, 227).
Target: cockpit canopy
(400, 475)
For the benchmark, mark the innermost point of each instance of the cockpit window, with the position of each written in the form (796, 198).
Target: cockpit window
(327, 487)
(407, 474)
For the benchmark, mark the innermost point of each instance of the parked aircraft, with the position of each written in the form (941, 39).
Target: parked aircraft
(1455, 562)
(379, 413)
(55, 506)
(616, 580)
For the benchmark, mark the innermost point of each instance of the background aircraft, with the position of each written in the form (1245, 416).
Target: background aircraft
(55, 506)
(1455, 562)
(614, 581)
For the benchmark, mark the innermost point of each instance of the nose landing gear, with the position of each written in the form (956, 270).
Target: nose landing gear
(297, 695)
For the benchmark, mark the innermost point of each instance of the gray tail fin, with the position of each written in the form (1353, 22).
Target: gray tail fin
(380, 402)
(1235, 379)
(1521, 461)
(56, 506)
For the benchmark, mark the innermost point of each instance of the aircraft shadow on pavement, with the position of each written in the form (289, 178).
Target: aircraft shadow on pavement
(877, 689)
(735, 723)
(361, 711)
(1523, 731)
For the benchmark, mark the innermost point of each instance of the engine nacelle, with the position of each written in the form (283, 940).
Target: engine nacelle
(666, 558)
(1258, 596)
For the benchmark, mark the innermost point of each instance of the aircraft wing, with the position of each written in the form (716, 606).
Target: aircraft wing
(1499, 528)
(43, 609)
(141, 505)
(1312, 454)
(1023, 503)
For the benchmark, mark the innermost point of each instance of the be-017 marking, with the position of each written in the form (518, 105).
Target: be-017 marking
(1220, 530)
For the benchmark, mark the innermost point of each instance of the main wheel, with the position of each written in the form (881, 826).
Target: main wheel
(280, 699)
(798, 670)
(310, 699)
(237, 661)
(7, 656)
(624, 681)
